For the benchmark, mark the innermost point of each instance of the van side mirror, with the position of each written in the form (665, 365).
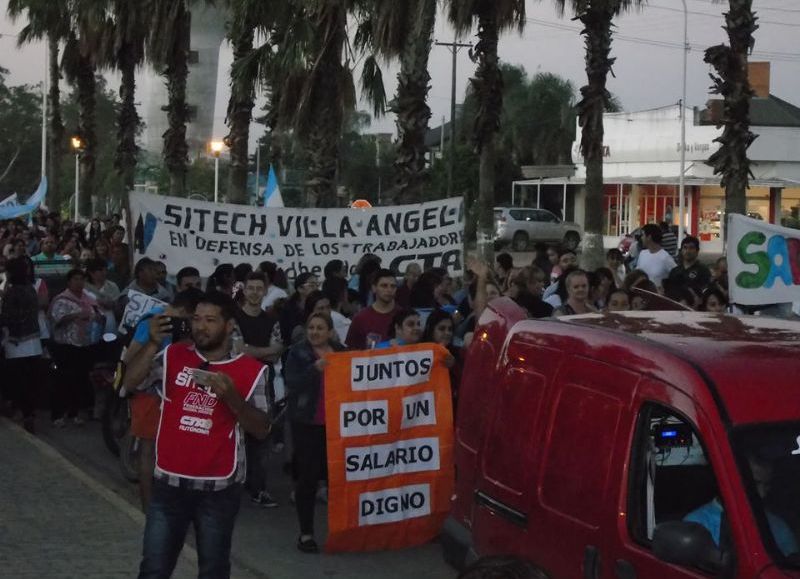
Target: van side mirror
(688, 545)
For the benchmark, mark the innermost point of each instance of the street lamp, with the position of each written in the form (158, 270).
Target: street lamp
(216, 149)
(77, 147)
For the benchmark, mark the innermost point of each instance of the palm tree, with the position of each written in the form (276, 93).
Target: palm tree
(492, 17)
(311, 88)
(244, 16)
(597, 17)
(404, 30)
(126, 33)
(168, 50)
(82, 54)
(732, 82)
(48, 19)
(306, 65)
(326, 92)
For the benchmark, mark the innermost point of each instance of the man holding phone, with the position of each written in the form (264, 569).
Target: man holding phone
(200, 458)
(145, 403)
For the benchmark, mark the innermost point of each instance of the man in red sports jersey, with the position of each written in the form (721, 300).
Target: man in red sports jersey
(209, 397)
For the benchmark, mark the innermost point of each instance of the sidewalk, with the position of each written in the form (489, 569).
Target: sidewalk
(263, 542)
(56, 521)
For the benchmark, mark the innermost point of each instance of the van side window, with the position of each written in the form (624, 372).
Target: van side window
(671, 478)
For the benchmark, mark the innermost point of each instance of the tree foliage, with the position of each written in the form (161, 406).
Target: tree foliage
(109, 186)
(20, 138)
(50, 20)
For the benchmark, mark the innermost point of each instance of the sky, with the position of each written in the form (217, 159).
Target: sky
(647, 46)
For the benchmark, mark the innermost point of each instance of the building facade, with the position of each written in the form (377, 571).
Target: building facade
(207, 36)
(642, 168)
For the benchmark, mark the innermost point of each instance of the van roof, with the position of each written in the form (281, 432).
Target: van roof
(752, 364)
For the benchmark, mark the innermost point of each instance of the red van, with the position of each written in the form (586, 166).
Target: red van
(641, 445)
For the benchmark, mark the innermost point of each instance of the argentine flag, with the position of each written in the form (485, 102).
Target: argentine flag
(272, 193)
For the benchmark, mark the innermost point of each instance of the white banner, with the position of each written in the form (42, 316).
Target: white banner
(138, 305)
(763, 262)
(183, 232)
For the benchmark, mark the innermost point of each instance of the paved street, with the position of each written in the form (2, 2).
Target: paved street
(57, 522)
(264, 541)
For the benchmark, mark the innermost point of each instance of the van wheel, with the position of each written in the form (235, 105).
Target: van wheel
(520, 241)
(572, 240)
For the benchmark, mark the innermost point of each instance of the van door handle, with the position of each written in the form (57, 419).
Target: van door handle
(591, 563)
(624, 570)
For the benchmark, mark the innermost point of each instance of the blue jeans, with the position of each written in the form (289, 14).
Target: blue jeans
(171, 509)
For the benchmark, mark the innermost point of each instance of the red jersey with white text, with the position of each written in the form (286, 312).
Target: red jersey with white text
(197, 434)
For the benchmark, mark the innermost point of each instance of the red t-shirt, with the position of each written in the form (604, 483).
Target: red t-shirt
(369, 321)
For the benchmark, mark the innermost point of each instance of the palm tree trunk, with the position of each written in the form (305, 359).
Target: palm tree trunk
(240, 113)
(327, 112)
(128, 120)
(413, 113)
(734, 84)
(87, 129)
(322, 146)
(55, 128)
(597, 21)
(176, 150)
(488, 86)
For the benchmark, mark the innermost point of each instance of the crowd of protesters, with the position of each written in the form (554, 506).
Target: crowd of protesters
(55, 336)
(644, 279)
(51, 330)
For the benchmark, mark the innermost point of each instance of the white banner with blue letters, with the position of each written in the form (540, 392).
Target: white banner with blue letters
(184, 232)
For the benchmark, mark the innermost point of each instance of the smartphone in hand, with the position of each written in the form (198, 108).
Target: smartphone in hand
(202, 377)
(181, 329)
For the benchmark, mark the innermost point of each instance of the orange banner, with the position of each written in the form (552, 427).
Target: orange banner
(389, 424)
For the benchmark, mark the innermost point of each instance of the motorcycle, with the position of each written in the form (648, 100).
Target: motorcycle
(116, 417)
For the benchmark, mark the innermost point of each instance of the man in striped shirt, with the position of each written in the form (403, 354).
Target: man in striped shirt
(669, 241)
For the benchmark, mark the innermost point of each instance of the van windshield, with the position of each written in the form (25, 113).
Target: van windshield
(769, 456)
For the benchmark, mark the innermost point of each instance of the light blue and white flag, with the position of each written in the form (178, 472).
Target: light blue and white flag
(31, 205)
(272, 193)
(9, 201)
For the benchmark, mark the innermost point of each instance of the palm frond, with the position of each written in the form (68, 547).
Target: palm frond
(372, 87)
(70, 60)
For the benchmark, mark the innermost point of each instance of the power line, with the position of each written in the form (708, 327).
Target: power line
(759, 8)
(772, 55)
(712, 15)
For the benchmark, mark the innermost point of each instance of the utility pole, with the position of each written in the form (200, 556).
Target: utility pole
(454, 47)
(258, 168)
(378, 165)
(682, 176)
